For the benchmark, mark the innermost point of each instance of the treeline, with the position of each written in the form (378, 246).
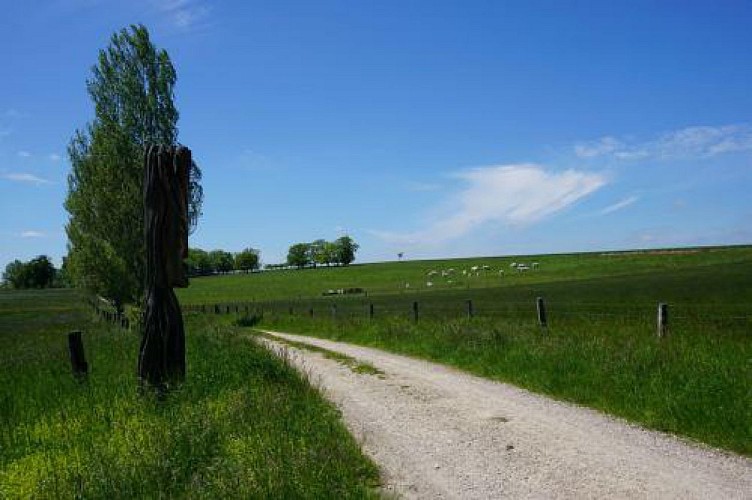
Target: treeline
(321, 252)
(36, 273)
(203, 263)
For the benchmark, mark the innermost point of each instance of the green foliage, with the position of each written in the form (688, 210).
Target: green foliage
(299, 255)
(36, 273)
(221, 261)
(344, 249)
(198, 262)
(132, 88)
(247, 260)
(244, 425)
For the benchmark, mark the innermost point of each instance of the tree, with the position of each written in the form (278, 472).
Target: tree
(37, 273)
(316, 252)
(247, 260)
(298, 255)
(221, 261)
(198, 262)
(345, 250)
(132, 88)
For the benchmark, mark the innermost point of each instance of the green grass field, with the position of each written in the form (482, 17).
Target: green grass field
(599, 350)
(245, 424)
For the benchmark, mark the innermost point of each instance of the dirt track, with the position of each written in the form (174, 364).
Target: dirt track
(440, 433)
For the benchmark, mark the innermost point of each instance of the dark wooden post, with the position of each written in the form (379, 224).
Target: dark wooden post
(541, 306)
(469, 308)
(415, 311)
(290, 311)
(370, 311)
(334, 311)
(167, 169)
(310, 311)
(78, 359)
(662, 320)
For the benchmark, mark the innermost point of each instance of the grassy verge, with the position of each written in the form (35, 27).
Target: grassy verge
(348, 361)
(245, 424)
(696, 383)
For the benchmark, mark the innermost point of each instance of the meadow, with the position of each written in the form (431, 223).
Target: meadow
(600, 347)
(244, 424)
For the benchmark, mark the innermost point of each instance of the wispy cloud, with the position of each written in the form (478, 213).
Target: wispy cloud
(519, 194)
(689, 142)
(184, 14)
(24, 177)
(619, 205)
(54, 157)
(24, 154)
(32, 234)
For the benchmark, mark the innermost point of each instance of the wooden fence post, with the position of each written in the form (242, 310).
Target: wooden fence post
(415, 311)
(541, 306)
(216, 308)
(334, 311)
(310, 311)
(662, 319)
(290, 311)
(78, 359)
(469, 308)
(370, 311)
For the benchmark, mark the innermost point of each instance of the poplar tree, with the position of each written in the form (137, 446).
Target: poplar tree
(132, 89)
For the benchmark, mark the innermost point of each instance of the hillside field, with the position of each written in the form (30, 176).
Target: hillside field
(600, 348)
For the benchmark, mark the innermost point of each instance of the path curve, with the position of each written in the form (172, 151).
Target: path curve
(440, 433)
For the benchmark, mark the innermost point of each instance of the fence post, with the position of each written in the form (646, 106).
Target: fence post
(290, 311)
(237, 309)
(310, 311)
(541, 306)
(216, 309)
(662, 319)
(469, 308)
(227, 309)
(78, 360)
(334, 311)
(415, 311)
(370, 311)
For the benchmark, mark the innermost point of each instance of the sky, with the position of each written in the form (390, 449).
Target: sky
(434, 128)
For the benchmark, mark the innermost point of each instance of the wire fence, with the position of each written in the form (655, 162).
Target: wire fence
(539, 310)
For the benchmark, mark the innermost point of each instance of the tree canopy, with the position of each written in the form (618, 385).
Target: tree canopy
(320, 252)
(132, 88)
(36, 273)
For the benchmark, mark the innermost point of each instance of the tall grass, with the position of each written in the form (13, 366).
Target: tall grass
(695, 383)
(245, 424)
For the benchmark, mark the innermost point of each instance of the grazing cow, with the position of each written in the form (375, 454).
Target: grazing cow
(429, 283)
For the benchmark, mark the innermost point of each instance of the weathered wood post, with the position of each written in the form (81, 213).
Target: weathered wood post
(662, 320)
(541, 306)
(78, 360)
(469, 308)
(161, 359)
(370, 311)
(334, 311)
(415, 310)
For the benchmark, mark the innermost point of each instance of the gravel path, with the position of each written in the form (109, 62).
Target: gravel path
(439, 433)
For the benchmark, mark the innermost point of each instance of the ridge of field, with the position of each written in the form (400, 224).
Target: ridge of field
(245, 424)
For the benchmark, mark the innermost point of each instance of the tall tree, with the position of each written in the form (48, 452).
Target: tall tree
(247, 260)
(132, 88)
(345, 249)
(298, 255)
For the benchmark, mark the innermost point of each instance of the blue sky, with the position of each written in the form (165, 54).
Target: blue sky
(433, 128)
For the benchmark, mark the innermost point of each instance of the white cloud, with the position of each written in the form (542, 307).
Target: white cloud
(24, 177)
(520, 194)
(24, 154)
(619, 205)
(32, 234)
(54, 157)
(689, 142)
(184, 14)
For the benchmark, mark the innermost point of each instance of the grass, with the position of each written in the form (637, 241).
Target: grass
(600, 349)
(245, 424)
(348, 361)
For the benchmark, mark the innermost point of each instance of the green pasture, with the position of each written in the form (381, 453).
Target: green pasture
(244, 425)
(600, 348)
